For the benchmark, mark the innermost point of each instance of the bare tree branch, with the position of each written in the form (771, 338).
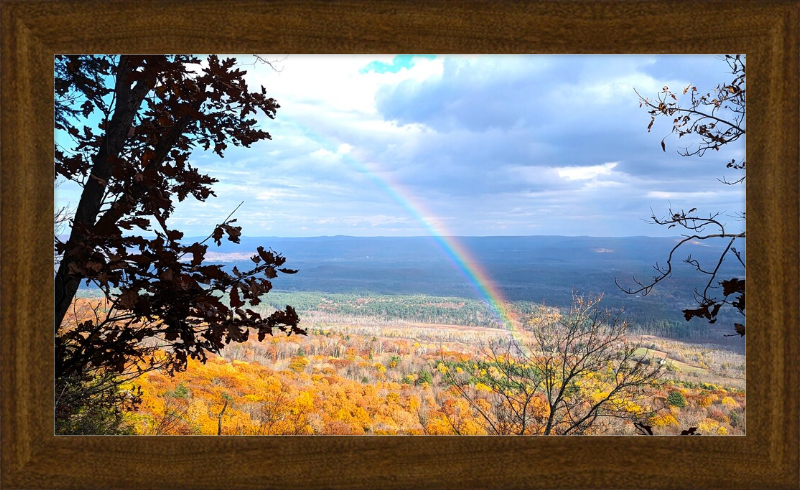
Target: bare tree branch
(717, 118)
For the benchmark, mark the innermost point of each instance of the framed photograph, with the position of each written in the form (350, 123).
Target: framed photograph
(34, 32)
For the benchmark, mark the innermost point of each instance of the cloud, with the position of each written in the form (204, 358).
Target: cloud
(515, 145)
(587, 172)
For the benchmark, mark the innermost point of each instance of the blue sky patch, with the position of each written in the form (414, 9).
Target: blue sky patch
(398, 63)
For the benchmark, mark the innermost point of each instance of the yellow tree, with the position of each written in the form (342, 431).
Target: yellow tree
(566, 374)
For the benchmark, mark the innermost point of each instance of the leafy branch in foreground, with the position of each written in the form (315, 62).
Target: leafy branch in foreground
(131, 123)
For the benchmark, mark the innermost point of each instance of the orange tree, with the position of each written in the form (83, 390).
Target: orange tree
(133, 123)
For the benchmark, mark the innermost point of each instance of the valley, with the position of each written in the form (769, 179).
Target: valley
(377, 374)
(389, 321)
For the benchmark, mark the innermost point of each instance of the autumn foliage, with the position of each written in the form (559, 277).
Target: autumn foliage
(339, 382)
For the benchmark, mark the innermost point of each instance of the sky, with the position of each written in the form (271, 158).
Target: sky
(367, 145)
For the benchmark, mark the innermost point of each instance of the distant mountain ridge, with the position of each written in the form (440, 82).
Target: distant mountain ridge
(525, 268)
(494, 248)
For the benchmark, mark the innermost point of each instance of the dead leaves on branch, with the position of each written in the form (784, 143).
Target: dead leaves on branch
(710, 308)
(180, 300)
(717, 117)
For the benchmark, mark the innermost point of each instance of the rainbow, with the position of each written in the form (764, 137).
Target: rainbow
(451, 247)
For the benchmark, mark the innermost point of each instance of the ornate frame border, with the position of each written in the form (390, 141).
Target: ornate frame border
(34, 30)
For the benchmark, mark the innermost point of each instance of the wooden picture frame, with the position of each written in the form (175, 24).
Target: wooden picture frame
(33, 31)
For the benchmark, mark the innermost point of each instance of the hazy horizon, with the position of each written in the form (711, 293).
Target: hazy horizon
(244, 235)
